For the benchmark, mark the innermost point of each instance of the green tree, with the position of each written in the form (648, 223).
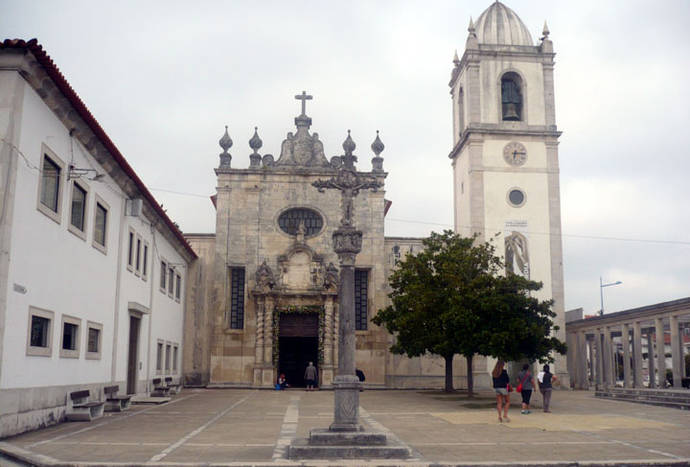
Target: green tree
(450, 299)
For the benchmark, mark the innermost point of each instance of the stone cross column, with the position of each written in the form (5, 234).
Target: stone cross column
(347, 243)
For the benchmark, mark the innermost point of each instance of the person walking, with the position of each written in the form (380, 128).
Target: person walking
(501, 386)
(526, 379)
(310, 376)
(546, 382)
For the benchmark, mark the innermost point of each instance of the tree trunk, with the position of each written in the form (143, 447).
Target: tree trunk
(449, 374)
(470, 377)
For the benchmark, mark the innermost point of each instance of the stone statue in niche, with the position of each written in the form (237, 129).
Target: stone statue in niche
(330, 280)
(517, 254)
(316, 272)
(301, 232)
(265, 280)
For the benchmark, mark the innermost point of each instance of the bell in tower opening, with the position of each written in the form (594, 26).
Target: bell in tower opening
(511, 97)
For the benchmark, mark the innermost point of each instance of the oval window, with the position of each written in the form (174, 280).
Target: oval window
(290, 220)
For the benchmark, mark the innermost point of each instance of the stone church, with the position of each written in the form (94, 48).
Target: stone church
(262, 297)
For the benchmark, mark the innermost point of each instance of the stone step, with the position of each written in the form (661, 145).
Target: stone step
(301, 449)
(649, 399)
(325, 437)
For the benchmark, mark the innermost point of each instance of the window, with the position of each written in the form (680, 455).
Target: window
(69, 346)
(159, 357)
(39, 339)
(77, 224)
(290, 221)
(93, 340)
(145, 261)
(167, 357)
(511, 97)
(171, 280)
(130, 250)
(50, 185)
(516, 197)
(164, 272)
(361, 297)
(138, 255)
(100, 227)
(174, 362)
(236, 298)
(178, 287)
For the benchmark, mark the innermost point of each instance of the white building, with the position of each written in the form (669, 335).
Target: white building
(92, 271)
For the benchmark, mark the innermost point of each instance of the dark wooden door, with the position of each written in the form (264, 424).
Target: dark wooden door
(132, 359)
(298, 344)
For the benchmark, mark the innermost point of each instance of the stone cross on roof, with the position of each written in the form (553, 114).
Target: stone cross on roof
(304, 97)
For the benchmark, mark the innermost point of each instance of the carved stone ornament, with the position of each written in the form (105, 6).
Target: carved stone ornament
(330, 280)
(265, 280)
(302, 149)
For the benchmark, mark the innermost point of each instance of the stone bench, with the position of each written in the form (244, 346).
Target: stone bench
(83, 410)
(113, 402)
(174, 387)
(159, 389)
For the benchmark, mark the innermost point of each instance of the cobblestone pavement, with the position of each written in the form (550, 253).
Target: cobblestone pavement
(253, 427)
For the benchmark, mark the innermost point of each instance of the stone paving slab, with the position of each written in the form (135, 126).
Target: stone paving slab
(252, 427)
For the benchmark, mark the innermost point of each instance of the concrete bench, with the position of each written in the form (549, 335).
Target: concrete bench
(159, 389)
(174, 387)
(82, 410)
(113, 402)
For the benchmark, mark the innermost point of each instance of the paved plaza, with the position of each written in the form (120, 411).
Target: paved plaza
(254, 427)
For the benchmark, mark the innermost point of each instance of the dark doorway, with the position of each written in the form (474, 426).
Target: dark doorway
(132, 358)
(298, 344)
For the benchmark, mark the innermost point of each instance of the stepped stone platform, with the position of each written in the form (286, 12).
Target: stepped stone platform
(676, 398)
(325, 444)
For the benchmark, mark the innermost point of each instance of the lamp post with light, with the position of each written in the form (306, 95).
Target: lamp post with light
(601, 292)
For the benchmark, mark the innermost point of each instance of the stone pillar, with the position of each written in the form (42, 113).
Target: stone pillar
(581, 360)
(609, 380)
(625, 340)
(259, 344)
(650, 360)
(660, 352)
(327, 370)
(591, 378)
(637, 354)
(268, 333)
(599, 340)
(676, 353)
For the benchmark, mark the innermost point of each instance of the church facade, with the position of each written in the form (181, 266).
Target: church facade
(262, 297)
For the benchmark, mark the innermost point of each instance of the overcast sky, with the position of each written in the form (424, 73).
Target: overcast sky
(163, 78)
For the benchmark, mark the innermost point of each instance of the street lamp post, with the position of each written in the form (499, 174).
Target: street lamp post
(601, 292)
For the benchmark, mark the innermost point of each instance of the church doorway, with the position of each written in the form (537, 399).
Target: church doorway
(298, 344)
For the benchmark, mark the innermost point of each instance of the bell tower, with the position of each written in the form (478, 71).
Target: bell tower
(505, 154)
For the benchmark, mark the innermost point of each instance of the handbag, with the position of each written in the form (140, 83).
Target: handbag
(519, 386)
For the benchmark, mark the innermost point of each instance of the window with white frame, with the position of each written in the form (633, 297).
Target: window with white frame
(174, 362)
(178, 287)
(77, 221)
(167, 357)
(130, 250)
(159, 357)
(94, 335)
(145, 261)
(50, 185)
(69, 344)
(39, 337)
(164, 275)
(100, 225)
(137, 256)
(171, 280)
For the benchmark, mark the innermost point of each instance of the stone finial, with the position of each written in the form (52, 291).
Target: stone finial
(255, 143)
(456, 60)
(225, 143)
(349, 145)
(472, 41)
(377, 146)
(545, 32)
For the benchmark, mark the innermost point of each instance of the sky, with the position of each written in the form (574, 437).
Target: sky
(164, 78)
